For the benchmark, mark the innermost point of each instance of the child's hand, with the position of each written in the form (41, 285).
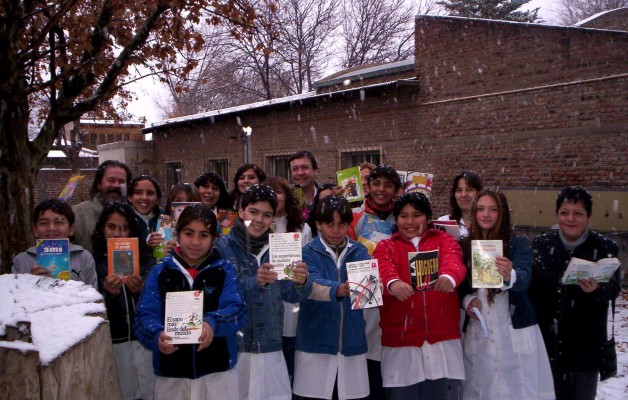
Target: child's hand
(113, 284)
(41, 271)
(401, 290)
(168, 247)
(300, 273)
(134, 283)
(207, 336)
(343, 290)
(154, 239)
(164, 344)
(265, 275)
(504, 266)
(473, 303)
(587, 285)
(443, 285)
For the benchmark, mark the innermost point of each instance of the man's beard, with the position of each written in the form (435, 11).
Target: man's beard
(116, 193)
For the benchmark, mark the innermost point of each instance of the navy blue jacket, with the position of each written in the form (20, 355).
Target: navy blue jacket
(223, 310)
(331, 327)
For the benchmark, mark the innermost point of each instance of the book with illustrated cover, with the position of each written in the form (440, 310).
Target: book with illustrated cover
(373, 231)
(483, 270)
(70, 186)
(183, 320)
(123, 256)
(351, 182)
(418, 182)
(450, 227)
(54, 255)
(365, 284)
(284, 250)
(177, 209)
(601, 271)
(164, 227)
(226, 219)
(423, 269)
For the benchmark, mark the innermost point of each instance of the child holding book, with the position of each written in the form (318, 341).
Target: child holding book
(331, 340)
(54, 219)
(261, 368)
(204, 370)
(117, 220)
(421, 349)
(511, 363)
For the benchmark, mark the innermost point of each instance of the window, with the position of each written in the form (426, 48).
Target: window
(221, 167)
(173, 174)
(127, 137)
(110, 138)
(118, 137)
(278, 165)
(101, 138)
(352, 157)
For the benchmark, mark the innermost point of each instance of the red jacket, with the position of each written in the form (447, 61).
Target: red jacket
(428, 315)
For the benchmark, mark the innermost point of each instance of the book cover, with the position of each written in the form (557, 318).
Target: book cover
(226, 219)
(365, 284)
(70, 186)
(423, 269)
(183, 320)
(418, 182)
(483, 270)
(351, 182)
(601, 271)
(54, 255)
(123, 256)
(284, 251)
(164, 227)
(451, 227)
(373, 231)
(177, 209)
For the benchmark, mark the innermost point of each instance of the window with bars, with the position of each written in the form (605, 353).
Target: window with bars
(221, 167)
(351, 158)
(173, 174)
(278, 166)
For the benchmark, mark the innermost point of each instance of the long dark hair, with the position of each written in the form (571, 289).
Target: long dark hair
(224, 202)
(156, 209)
(190, 191)
(312, 218)
(501, 231)
(235, 193)
(294, 214)
(473, 180)
(99, 241)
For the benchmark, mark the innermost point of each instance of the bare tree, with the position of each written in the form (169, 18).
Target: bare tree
(571, 11)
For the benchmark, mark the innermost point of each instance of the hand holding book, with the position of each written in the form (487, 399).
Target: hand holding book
(401, 290)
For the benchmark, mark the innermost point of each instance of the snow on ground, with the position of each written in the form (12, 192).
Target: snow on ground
(617, 388)
(57, 310)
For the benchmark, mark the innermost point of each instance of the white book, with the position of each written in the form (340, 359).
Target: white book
(365, 284)
(601, 271)
(284, 252)
(184, 316)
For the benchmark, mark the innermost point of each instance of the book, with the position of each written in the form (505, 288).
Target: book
(483, 270)
(418, 182)
(601, 271)
(70, 186)
(226, 219)
(183, 320)
(123, 256)
(365, 284)
(351, 182)
(423, 269)
(450, 227)
(177, 209)
(54, 255)
(373, 231)
(284, 250)
(164, 227)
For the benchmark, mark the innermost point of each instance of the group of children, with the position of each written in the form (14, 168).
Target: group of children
(268, 339)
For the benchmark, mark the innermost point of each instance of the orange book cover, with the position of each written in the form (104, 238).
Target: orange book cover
(123, 256)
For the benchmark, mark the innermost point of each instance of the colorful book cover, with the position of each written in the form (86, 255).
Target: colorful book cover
(419, 182)
(483, 270)
(373, 231)
(601, 271)
(177, 209)
(284, 251)
(54, 255)
(226, 219)
(70, 186)
(365, 284)
(164, 227)
(423, 269)
(451, 227)
(123, 256)
(351, 182)
(183, 320)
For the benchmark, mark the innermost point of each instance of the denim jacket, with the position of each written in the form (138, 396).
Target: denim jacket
(264, 327)
(329, 325)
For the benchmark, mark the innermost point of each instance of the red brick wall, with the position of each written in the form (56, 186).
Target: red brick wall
(52, 178)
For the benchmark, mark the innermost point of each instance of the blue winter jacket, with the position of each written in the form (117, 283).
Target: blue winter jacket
(331, 327)
(264, 328)
(223, 310)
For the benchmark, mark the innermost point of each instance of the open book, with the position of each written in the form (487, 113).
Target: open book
(601, 271)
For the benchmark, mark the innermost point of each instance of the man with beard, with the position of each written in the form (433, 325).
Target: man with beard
(109, 185)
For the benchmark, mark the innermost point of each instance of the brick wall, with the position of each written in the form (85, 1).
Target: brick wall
(53, 176)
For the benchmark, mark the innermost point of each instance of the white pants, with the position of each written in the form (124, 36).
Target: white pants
(216, 386)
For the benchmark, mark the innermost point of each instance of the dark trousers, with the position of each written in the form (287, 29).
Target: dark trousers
(574, 385)
(375, 380)
(442, 389)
